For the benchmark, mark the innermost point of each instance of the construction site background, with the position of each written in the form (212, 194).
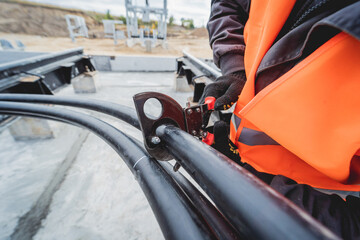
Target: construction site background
(43, 28)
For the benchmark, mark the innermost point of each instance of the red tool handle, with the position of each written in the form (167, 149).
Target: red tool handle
(210, 101)
(209, 139)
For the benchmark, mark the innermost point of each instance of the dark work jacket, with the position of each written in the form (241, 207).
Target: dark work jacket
(296, 40)
(310, 24)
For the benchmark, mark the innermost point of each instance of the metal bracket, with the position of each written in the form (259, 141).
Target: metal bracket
(188, 119)
(172, 113)
(194, 119)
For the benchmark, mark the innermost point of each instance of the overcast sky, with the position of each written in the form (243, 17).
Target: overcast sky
(198, 10)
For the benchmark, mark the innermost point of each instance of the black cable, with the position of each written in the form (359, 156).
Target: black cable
(175, 214)
(222, 228)
(210, 213)
(114, 111)
(124, 113)
(252, 207)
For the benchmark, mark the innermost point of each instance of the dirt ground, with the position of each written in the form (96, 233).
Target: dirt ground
(43, 28)
(198, 47)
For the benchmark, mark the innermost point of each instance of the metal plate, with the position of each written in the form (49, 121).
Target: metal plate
(172, 114)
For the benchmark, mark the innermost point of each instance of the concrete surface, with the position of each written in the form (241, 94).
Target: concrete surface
(98, 197)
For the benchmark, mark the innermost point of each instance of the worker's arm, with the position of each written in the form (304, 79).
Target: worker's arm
(226, 26)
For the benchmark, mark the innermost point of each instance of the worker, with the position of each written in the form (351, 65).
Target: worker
(293, 70)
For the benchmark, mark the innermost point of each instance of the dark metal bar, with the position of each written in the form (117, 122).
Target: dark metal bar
(176, 215)
(215, 73)
(199, 86)
(221, 227)
(124, 113)
(38, 59)
(253, 208)
(193, 69)
(57, 68)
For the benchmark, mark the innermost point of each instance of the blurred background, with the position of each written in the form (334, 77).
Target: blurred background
(41, 26)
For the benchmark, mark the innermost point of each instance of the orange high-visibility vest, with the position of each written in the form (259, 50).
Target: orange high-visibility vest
(306, 124)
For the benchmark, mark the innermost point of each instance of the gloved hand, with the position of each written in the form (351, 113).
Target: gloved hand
(222, 142)
(225, 89)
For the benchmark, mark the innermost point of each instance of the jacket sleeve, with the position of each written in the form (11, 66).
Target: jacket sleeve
(226, 27)
(339, 215)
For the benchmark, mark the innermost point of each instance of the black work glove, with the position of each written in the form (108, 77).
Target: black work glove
(222, 142)
(225, 89)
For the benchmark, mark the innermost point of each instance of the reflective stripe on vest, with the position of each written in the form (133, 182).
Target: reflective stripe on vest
(251, 137)
(235, 121)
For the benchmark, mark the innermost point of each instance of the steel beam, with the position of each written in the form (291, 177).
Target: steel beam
(56, 70)
(215, 73)
(39, 60)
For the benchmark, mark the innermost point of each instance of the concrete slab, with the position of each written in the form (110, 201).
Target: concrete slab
(143, 64)
(181, 84)
(25, 129)
(84, 83)
(101, 63)
(135, 63)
